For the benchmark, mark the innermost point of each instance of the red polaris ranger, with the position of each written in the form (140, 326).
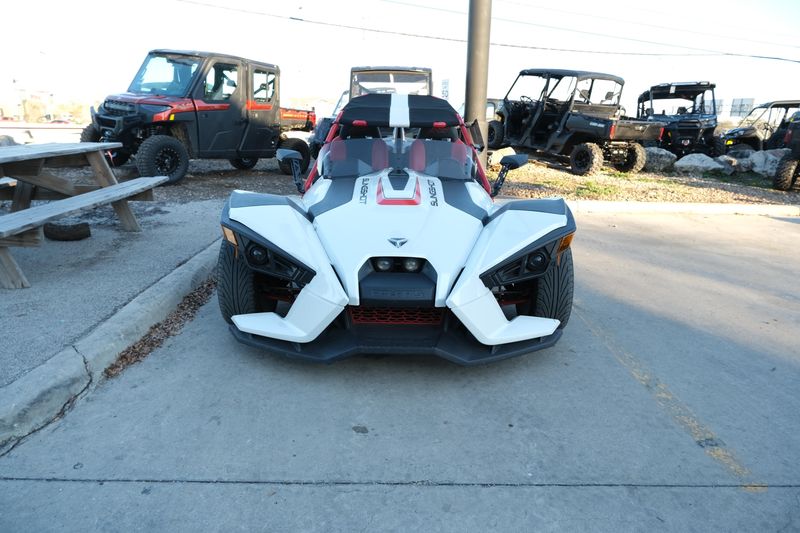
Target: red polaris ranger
(184, 105)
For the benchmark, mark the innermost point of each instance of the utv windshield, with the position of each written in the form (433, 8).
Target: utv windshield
(768, 116)
(389, 82)
(702, 103)
(166, 75)
(445, 159)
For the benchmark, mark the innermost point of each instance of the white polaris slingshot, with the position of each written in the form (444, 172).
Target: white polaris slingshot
(396, 247)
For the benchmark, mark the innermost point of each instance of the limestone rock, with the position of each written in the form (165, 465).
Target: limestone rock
(659, 160)
(697, 164)
(497, 155)
(766, 162)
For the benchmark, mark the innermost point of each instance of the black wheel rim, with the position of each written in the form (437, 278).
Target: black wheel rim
(167, 161)
(582, 159)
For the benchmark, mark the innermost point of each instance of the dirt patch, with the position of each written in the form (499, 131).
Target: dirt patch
(169, 327)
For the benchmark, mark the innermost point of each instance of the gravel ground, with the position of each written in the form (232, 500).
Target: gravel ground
(212, 179)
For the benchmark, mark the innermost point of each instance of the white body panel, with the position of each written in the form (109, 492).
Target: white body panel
(344, 238)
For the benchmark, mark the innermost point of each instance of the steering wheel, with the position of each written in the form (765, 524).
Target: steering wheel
(526, 99)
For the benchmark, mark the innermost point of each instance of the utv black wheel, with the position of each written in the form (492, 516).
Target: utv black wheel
(634, 160)
(717, 147)
(586, 158)
(495, 135)
(162, 155)
(115, 158)
(786, 174)
(300, 146)
(244, 163)
(552, 295)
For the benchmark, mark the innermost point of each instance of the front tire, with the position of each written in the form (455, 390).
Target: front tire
(553, 292)
(634, 160)
(585, 159)
(786, 174)
(235, 286)
(162, 155)
(244, 163)
(495, 135)
(298, 145)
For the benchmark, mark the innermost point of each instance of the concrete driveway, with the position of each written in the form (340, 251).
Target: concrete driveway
(671, 403)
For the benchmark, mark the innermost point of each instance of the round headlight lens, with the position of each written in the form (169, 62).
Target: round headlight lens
(383, 264)
(537, 261)
(412, 264)
(257, 255)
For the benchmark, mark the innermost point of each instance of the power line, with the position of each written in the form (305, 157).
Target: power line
(657, 26)
(597, 34)
(505, 45)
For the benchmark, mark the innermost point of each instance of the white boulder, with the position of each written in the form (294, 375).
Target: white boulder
(658, 159)
(766, 162)
(732, 164)
(697, 164)
(497, 155)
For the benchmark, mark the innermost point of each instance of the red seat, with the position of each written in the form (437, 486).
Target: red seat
(380, 155)
(416, 156)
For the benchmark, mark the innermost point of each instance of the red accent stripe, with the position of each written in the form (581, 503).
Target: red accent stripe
(252, 105)
(416, 200)
(203, 106)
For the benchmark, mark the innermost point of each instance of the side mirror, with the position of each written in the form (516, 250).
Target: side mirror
(509, 162)
(294, 158)
(514, 161)
(477, 136)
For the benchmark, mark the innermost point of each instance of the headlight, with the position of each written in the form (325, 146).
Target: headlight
(262, 256)
(528, 264)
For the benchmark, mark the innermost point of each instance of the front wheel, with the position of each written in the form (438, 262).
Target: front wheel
(553, 292)
(298, 145)
(495, 135)
(236, 286)
(585, 159)
(244, 163)
(635, 159)
(786, 174)
(162, 155)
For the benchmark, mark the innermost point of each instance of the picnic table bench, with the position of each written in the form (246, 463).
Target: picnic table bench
(24, 176)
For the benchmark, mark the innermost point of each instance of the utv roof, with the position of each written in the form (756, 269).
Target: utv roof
(685, 90)
(397, 69)
(563, 73)
(780, 103)
(412, 111)
(198, 53)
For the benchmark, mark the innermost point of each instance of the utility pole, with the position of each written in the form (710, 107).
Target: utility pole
(480, 21)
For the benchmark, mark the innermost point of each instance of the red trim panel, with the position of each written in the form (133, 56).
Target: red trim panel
(416, 200)
(252, 105)
(203, 106)
(408, 316)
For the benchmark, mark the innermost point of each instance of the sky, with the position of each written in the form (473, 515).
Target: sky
(88, 49)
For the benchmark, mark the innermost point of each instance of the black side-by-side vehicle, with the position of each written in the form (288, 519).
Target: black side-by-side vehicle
(689, 112)
(574, 114)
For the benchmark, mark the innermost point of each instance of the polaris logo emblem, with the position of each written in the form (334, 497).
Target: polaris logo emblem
(397, 242)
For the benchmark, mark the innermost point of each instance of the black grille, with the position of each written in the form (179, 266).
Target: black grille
(115, 107)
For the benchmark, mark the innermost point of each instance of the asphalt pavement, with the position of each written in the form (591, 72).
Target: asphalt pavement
(670, 404)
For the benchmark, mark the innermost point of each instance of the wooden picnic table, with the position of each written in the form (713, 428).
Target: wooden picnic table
(29, 166)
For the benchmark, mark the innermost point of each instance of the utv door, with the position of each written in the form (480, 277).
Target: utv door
(262, 131)
(221, 113)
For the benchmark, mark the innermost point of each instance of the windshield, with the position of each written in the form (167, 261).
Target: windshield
(529, 86)
(165, 75)
(389, 82)
(358, 157)
(702, 103)
(772, 116)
